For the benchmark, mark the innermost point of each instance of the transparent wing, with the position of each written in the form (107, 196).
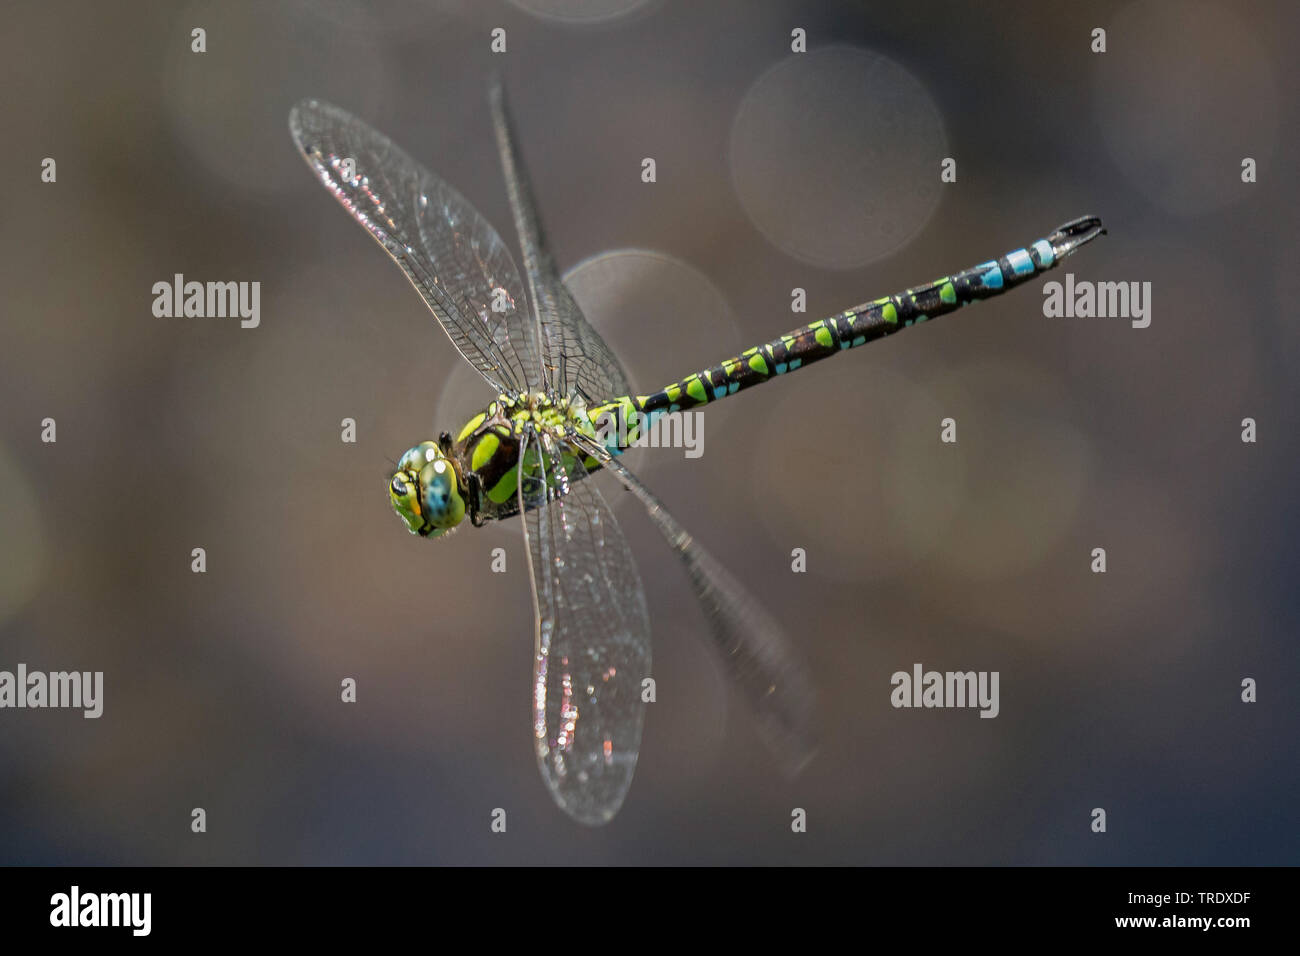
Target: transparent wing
(453, 257)
(593, 635)
(570, 343)
(759, 661)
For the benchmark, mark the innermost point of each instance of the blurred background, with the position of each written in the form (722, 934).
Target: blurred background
(775, 170)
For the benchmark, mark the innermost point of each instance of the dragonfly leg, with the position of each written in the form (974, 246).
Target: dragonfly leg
(475, 492)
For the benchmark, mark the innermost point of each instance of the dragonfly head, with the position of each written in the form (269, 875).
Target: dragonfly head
(425, 491)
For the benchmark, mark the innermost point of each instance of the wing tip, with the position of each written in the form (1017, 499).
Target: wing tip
(791, 739)
(794, 762)
(307, 103)
(298, 115)
(307, 107)
(496, 87)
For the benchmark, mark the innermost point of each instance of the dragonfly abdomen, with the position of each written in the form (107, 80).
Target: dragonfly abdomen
(859, 325)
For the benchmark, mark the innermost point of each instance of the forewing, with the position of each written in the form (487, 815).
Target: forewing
(570, 342)
(454, 258)
(769, 673)
(593, 635)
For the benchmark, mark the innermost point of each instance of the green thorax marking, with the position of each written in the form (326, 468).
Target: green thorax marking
(487, 447)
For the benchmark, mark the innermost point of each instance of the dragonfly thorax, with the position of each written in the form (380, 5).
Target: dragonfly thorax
(477, 472)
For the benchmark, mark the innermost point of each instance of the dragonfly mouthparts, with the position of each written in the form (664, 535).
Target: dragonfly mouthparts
(1078, 232)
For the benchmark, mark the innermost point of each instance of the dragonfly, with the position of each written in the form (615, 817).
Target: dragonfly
(529, 453)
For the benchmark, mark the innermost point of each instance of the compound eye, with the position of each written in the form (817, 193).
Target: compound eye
(437, 488)
(401, 495)
(444, 507)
